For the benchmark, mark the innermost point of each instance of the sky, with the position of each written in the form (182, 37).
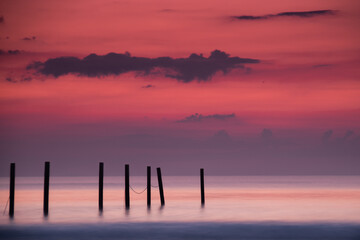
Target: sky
(236, 87)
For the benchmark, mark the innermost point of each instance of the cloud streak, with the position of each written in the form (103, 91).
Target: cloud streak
(10, 52)
(148, 86)
(33, 38)
(195, 67)
(199, 117)
(303, 14)
(327, 135)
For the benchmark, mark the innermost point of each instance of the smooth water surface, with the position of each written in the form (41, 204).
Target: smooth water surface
(296, 204)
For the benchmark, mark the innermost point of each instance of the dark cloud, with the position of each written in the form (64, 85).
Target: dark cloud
(304, 14)
(148, 86)
(348, 134)
(9, 79)
(26, 79)
(221, 139)
(307, 13)
(247, 17)
(348, 137)
(327, 135)
(29, 38)
(195, 67)
(2, 19)
(266, 134)
(22, 79)
(11, 52)
(199, 117)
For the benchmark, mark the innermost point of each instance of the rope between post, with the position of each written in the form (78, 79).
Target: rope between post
(138, 192)
(7, 202)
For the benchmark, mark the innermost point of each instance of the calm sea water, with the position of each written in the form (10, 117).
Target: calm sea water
(246, 207)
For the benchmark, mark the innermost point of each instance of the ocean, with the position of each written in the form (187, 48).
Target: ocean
(237, 207)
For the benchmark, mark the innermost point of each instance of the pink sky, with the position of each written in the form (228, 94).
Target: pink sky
(307, 83)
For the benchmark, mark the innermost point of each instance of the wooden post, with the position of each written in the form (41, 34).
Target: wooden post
(12, 189)
(46, 188)
(148, 186)
(202, 186)
(127, 187)
(161, 190)
(101, 184)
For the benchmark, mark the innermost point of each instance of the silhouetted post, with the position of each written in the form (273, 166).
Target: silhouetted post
(161, 190)
(202, 186)
(12, 189)
(148, 186)
(101, 184)
(127, 187)
(46, 188)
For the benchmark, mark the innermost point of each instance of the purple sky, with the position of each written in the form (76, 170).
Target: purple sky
(235, 87)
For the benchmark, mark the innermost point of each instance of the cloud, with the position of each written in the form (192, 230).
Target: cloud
(26, 79)
(221, 138)
(199, 117)
(348, 137)
(303, 14)
(195, 67)
(348, 134)
(10, 52)
(327, 135)
(33, 38)
(148, 86)
(266, 134)
(13, 52)
(9, 79)
(22, 79)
